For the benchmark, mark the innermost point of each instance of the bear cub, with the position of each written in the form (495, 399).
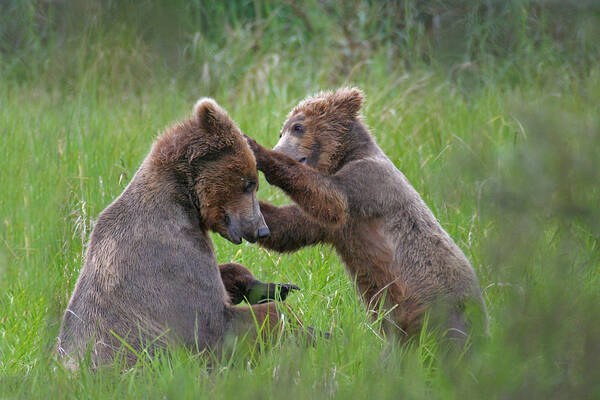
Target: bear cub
(350, 195)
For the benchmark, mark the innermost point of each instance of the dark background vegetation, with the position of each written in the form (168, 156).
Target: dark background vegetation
(491, 108)
(132, 41)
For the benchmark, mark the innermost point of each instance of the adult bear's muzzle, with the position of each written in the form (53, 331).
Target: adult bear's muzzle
(250, 229)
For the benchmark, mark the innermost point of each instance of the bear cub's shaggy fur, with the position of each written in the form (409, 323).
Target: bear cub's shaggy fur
(349, 194)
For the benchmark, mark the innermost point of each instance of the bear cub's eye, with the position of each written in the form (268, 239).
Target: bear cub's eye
(297, 128)
(249, 186)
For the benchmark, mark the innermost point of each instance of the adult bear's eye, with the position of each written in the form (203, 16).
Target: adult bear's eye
(249, 186)
(297, 128)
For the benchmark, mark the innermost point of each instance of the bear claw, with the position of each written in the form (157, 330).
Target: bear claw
(266, 292)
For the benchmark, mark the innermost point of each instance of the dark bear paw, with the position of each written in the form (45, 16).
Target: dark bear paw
(266, 292)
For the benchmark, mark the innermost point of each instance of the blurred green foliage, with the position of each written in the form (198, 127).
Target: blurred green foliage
(127, 41)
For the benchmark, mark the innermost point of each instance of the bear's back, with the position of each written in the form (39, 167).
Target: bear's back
(148, 272)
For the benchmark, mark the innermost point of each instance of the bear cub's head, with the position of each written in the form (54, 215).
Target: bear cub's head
(212, 160)
(316, 130)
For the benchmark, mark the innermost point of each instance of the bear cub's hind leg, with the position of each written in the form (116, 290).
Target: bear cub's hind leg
(242, 285)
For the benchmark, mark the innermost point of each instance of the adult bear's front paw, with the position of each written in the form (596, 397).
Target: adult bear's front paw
(280, 291)
(266, 292)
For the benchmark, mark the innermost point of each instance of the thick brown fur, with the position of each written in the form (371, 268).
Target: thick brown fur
(349, 194)
(150, 275)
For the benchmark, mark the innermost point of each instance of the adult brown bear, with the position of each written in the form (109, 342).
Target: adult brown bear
(349, 194)
(150, 274)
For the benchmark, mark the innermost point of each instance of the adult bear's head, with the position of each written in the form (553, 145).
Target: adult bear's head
(211, 159)
(318, 131)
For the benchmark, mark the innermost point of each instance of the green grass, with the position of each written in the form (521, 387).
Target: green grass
(499, 132)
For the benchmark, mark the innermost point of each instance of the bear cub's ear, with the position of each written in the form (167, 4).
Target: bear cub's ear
(348, 101)
(212, 117)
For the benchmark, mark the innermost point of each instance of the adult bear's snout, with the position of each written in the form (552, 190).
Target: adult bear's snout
(255, 230)
(263, 232)
(233, 229)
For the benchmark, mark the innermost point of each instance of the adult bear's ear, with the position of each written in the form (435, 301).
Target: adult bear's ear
(217, 130)
(209, 130)
(212, 118)
(348, 101)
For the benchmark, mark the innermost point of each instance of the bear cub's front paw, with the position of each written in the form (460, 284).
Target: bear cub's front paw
(266, 292)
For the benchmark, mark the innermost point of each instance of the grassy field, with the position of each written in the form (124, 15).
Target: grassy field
(491, 109)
